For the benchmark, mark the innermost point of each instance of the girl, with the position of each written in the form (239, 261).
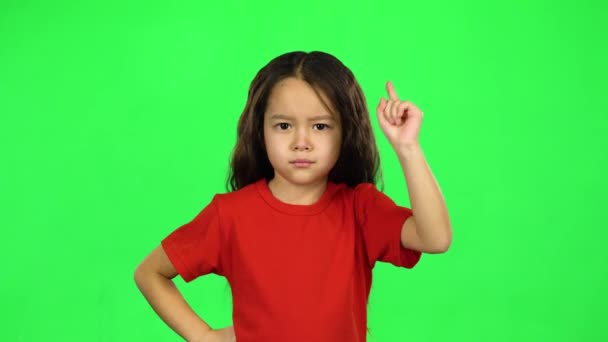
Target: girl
(299, 233)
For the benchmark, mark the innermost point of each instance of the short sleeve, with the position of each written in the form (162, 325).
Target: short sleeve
(194, 248)
(381, 221)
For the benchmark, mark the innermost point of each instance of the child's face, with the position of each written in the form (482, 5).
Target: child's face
(298, 126)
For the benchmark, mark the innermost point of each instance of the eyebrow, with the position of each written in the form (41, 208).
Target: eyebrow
(314, 118)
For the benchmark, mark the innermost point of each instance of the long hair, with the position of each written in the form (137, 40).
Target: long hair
(358, 162)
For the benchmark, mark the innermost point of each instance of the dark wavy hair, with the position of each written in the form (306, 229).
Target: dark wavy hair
(358, 162)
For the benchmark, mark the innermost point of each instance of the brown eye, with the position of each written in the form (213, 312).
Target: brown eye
(283, 125)
(321, 126)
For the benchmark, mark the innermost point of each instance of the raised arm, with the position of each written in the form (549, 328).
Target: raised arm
(429, 229)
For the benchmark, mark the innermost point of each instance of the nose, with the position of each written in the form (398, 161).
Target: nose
(301, 142)
(301, 147)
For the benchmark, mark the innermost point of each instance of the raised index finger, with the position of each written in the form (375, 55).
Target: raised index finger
(392, 94)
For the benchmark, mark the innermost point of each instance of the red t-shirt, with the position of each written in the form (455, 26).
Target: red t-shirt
(297, 272)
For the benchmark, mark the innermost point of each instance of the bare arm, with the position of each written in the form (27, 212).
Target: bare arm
(429, 229)
(154, 279)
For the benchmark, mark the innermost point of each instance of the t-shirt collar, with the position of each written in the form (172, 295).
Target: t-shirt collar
(296, 209)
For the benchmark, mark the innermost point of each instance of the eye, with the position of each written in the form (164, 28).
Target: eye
(321, 127)
(283, 125)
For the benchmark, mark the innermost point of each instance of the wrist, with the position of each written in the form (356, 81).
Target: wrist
(409, 151)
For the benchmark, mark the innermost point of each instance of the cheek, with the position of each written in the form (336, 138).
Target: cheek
(331, 147)
(272, 146)
(270, 140)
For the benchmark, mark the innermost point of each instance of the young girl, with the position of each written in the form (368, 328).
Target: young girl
(299, 233)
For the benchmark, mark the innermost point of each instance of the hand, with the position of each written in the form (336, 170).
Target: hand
(399, 120)
(221, 335)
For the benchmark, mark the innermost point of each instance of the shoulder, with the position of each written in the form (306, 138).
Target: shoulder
(236, 199)
(368, 197)
(366, 191)
(365, 188)
(361, 196)
(246, 192)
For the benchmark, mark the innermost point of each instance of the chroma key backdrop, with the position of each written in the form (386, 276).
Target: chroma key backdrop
(117, 120)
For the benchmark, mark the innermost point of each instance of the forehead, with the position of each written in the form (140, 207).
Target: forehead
(295, 97)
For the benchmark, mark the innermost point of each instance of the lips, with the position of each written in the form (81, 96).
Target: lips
(301, 161)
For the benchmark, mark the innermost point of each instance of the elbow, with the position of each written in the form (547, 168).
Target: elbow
(437, 248)
(442, 247)
(137, 275)
(441, 244)
(140, 274)
(446, 242)
(144, 278)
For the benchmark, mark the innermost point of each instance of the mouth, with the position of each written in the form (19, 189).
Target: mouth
(301, 162)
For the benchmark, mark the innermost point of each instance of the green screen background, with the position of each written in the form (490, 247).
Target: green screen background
(117, 121)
